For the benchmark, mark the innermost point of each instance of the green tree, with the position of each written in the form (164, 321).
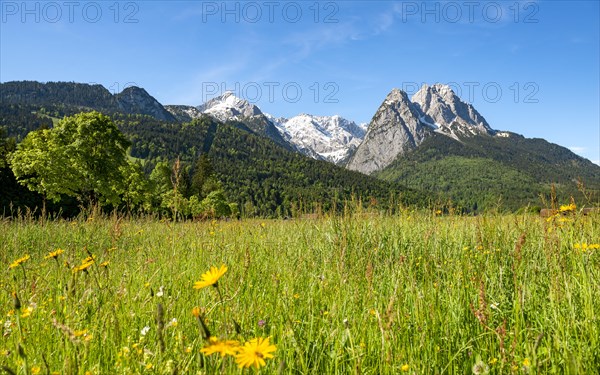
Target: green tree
(202, 172)
(7, 145)
(138, 191)
(83, 156)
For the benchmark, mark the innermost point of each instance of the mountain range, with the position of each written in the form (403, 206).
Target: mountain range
(433, 142)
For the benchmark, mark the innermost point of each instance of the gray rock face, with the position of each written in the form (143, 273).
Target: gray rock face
(395, 129)
(448, 114)
(184, 113)
(137, 100)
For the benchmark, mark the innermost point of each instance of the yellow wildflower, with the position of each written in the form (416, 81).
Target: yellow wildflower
(27, 312)
(405, 367)
(85, 264)
(210, 277)
(568, 208)
(226, 347)
(526, 362)
(36, 370)
(54, 254)
(196, 311)
(254, 353)
(19, 261)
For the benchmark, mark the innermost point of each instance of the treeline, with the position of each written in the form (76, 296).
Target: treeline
(202, 169)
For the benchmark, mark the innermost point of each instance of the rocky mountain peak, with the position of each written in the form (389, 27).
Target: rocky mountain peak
(137, 100)
(330, 138)
(447, 112)
(229, 107)
(395, 129)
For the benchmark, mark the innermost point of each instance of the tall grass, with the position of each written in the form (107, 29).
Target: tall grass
(413, 293)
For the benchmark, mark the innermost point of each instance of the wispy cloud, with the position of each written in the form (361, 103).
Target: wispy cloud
(317, 39)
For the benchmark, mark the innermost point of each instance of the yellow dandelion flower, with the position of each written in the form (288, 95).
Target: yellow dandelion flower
(105, 263)
(568, 207)
(54, 254)
(26, 312)
(196, 311)
(493, 360)
(36, 370)
(526, 362)
(405, 367)
(19, 261)
(225, 347)
(210, 277)
(254, 353)
(85, 264)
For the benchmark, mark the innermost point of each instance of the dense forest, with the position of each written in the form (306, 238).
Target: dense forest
(254, 175)
(509, 172)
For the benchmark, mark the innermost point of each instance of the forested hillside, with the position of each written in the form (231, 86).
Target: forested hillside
(486, 171)
(259, 176)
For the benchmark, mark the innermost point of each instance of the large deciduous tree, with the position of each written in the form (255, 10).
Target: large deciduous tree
(82, 156)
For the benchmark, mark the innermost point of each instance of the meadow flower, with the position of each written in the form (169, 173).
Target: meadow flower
(568, 208)
(54, 254)
(105, 263)
(254, 353)
(18, 262)
(405, 367)
(196, 311)
(225, 347)
(144, 331)
(36, 370)
(27, 312)
(210, 277)
(526, 362)
(85, 264)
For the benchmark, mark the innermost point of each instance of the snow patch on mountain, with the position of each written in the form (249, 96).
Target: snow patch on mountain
(229, 107)
(331, 138)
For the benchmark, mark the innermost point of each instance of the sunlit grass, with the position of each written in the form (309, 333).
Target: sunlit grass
(414, 293)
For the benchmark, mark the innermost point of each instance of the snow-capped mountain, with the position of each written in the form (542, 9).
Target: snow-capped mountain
(446, 113)
(228, 107)
(401, 125)
(330, 138)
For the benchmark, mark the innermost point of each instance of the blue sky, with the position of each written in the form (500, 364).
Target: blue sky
(531, 67)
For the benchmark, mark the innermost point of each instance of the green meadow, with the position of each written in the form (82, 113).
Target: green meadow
(415, 293)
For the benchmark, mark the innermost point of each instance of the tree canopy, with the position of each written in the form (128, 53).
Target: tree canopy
(83, 156)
